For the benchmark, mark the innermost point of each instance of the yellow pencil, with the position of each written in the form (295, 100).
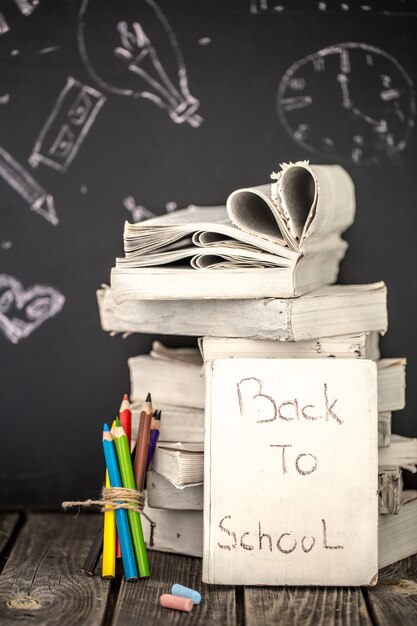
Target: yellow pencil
(108, 569)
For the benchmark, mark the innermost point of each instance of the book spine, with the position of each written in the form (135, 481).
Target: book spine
(389, 492)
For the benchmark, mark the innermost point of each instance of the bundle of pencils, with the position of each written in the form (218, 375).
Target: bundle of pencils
(128, 542)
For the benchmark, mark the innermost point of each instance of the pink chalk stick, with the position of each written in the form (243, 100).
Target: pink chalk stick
(175, 602)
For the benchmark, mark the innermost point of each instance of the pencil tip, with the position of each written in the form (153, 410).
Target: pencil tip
(126, 397)
(148, 398)
(106, 427)
(117, 422)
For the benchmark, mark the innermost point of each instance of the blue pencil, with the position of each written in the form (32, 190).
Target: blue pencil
(128, 558)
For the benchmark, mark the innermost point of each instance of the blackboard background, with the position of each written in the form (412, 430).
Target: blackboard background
(60, 383)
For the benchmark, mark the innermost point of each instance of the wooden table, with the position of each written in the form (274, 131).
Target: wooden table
(41, 583)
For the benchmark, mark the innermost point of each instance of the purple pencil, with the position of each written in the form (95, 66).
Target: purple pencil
(153, 436)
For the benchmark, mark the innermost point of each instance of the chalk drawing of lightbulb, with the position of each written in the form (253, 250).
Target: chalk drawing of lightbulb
(133, 51)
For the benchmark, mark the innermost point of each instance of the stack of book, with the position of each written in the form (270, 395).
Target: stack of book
(256, 284)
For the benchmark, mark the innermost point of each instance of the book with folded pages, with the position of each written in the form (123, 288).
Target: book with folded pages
(280, 239)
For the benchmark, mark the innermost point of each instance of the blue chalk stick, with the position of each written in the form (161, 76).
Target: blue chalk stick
(186, 592)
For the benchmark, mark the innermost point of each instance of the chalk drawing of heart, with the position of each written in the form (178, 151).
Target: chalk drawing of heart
(23, 310)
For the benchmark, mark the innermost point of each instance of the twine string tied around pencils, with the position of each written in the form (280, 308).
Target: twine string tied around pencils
(114, 498)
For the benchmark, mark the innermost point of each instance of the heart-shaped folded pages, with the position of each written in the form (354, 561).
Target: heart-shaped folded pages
(304, 201)
(37, 303)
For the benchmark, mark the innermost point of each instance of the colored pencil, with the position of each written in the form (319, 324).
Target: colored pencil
(128, 479)
(118, 547)
(122, 523)
(94, 553)
(125, 417)
(108, 566)
(142, 443)
(153, 437)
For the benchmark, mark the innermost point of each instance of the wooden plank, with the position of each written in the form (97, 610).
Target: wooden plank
(42, 582)
(138, 602)
(8, 523)
(394, 599)
(315, 606)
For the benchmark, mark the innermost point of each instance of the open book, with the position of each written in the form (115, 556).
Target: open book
(282, 239)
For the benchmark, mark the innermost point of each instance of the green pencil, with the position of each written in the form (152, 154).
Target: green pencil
(128, 480)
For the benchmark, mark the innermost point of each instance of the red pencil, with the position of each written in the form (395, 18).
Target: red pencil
(125, 417)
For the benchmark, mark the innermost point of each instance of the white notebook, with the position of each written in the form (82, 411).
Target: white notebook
(281, 503)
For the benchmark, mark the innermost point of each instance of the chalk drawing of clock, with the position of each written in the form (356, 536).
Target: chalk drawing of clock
(351, 101)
